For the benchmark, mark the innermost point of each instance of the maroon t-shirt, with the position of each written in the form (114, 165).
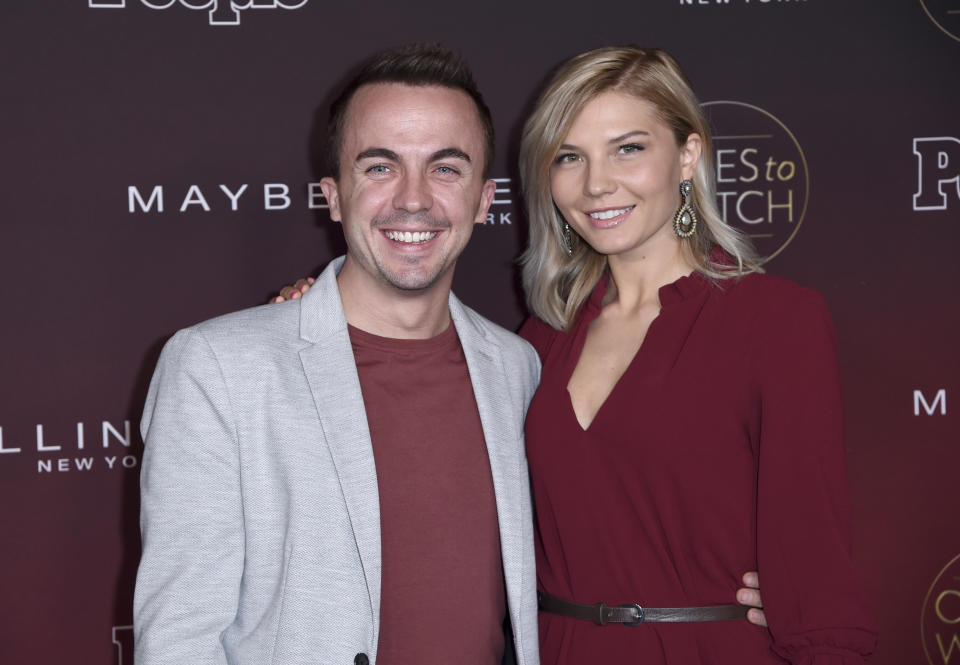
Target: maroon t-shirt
(442, 593)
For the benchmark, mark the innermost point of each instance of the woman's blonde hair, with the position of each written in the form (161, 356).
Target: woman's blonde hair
(557, 284)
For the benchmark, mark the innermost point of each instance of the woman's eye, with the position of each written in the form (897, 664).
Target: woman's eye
(631, 147)
(566, 158)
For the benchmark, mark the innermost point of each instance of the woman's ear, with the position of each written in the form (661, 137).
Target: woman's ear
(690, 155)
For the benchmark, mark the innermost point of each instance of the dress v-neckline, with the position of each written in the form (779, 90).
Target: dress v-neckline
(669, 294)
(579, 343)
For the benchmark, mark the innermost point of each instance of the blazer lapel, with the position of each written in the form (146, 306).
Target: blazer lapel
(332, 374)
(500, 417)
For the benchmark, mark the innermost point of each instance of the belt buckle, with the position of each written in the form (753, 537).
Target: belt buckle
(633, 606)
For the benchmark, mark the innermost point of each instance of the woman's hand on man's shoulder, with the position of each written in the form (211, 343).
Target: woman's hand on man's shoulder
(294, 291)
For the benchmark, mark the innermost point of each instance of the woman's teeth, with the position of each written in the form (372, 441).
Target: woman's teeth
(610, 214)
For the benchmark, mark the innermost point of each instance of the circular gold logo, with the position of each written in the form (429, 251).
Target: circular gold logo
(763, 183)
(945, 14)
(940, 617)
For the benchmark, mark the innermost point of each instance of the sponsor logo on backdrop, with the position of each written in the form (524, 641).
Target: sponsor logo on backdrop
(930, 407)
(763, 183)
(122, 637)
(940, 617)
(273, 196)
(741, 2)
(74, 449)
(219, 12)
(938, 172)
(945, 14)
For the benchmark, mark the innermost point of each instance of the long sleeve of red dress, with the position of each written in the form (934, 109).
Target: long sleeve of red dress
(719, 451)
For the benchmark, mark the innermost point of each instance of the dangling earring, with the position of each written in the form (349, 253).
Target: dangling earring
(566, 239)
(685, 221)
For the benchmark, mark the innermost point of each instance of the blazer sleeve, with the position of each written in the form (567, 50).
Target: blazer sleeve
(191, 514)
(816, 608)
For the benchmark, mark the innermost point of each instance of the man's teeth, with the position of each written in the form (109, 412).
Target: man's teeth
(610, 214)
(411, 236)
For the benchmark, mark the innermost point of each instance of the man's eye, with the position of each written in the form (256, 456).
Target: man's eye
(378, 168)
(447, 170)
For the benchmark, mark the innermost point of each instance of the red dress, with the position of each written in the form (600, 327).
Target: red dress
(719, 451)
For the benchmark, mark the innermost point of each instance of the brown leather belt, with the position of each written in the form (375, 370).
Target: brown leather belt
(633, 614)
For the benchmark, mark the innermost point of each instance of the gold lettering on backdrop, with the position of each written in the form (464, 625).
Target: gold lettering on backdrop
(763, 182)
(944, 16)
(946, 654)
(939, 616)
(936, 605)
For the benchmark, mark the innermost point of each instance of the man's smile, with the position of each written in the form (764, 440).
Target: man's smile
(411, 237)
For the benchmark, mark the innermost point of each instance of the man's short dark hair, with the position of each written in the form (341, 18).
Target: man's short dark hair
(412, 64)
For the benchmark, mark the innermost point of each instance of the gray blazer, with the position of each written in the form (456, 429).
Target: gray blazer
(260, 515)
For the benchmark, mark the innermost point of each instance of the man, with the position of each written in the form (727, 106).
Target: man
(341, 478)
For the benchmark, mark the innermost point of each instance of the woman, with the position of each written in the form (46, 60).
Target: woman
(688, 422)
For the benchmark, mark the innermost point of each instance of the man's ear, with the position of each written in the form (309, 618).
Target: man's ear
(486, 200)
(328, 186)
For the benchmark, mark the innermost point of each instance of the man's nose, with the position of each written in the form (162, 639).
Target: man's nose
(413, 193)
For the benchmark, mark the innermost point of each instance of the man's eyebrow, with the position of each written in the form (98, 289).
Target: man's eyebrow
(448, 153)
(382, 153)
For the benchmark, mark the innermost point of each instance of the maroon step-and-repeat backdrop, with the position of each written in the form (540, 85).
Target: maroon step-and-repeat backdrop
(159, 167)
